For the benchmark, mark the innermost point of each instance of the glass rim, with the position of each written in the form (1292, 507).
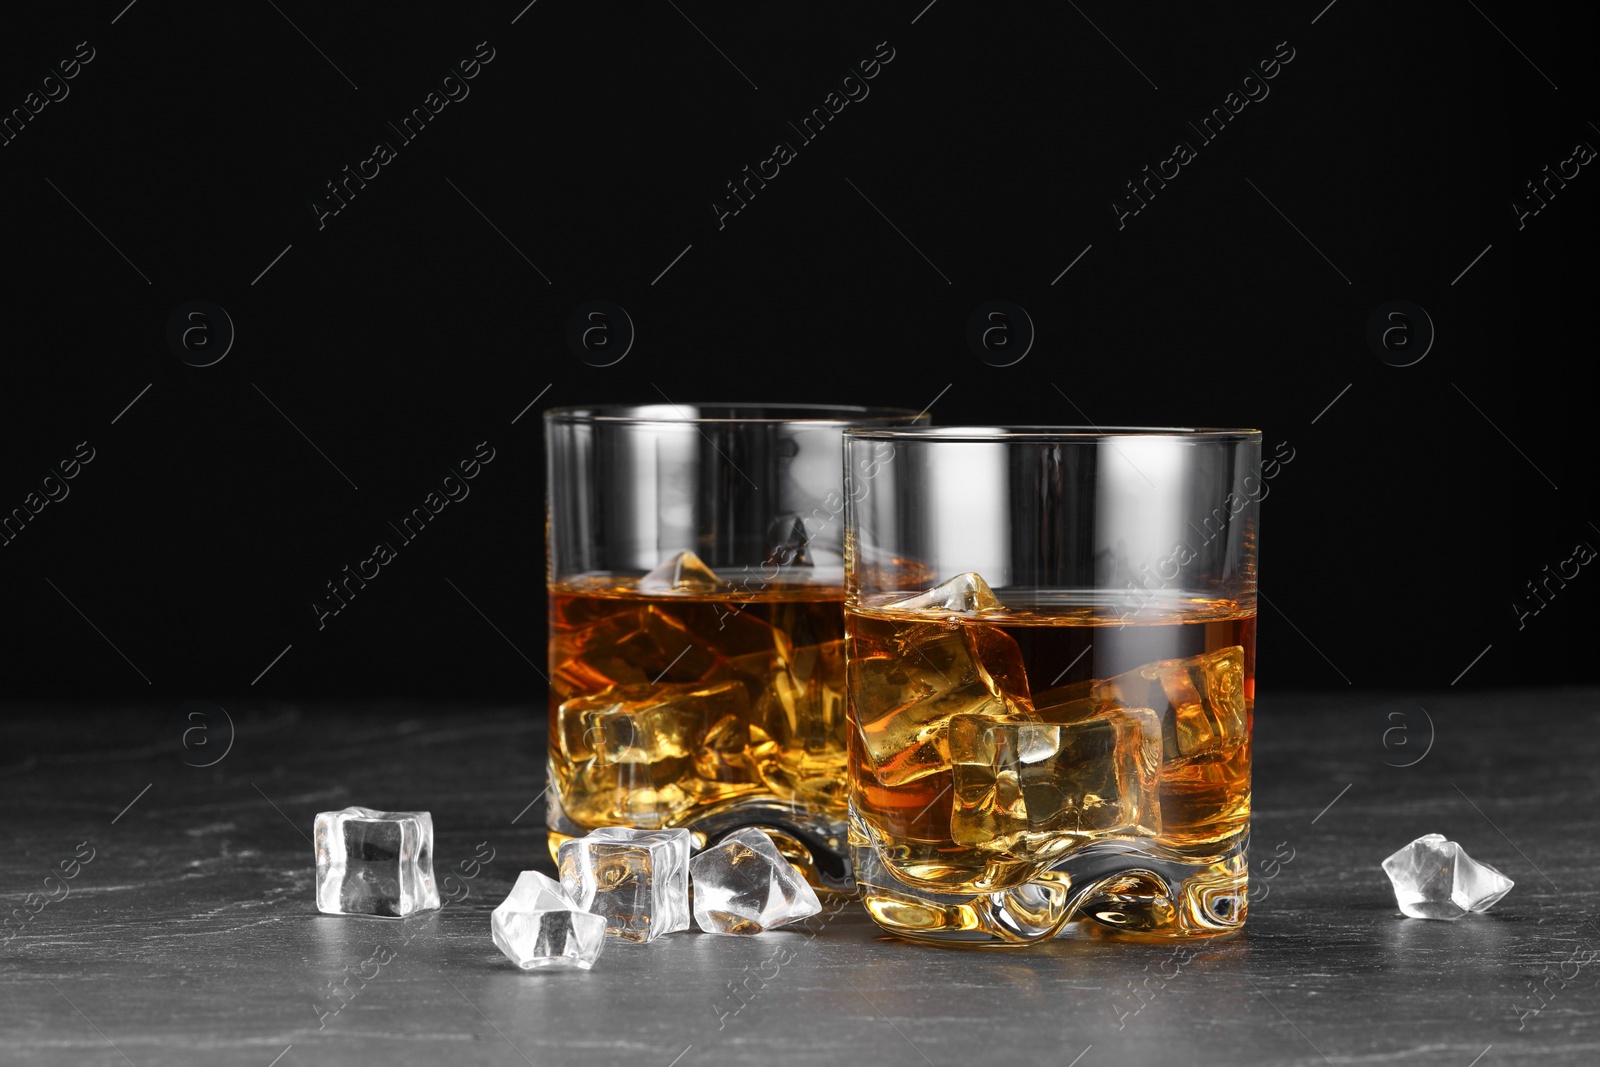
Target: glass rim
(977, 434)
(732, 414)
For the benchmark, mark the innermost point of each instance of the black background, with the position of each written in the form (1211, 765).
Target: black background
(410, 327)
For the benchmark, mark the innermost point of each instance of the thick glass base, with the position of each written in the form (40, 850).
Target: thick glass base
(1126, 889)
(813, 843)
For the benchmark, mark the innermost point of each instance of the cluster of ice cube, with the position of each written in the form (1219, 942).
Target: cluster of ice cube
(669, 704)
(1033, 775)
(634, 885)
(1037, 774)
(616, 882)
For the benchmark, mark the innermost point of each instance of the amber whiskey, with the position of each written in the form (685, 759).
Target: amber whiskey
(669, 702)
(993, 746)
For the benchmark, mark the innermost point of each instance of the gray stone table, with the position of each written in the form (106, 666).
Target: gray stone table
(190, 935)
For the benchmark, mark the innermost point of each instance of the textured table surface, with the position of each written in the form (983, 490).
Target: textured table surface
(191, 935)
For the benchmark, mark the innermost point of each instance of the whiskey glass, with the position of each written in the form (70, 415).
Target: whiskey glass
(696, 659)
(1050, 673)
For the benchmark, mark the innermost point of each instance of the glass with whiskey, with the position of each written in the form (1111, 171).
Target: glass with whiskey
(696, 585)
(1050, 675)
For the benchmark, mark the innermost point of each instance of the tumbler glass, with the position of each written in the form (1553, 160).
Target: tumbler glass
(1050, 660)
(696, 583)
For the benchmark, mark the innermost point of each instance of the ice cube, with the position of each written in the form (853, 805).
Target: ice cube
(904, 699)
(375, 862)
(634, 748)
(1435, 879)
(538, 926)
(641, 645)
(645, 723)
(1041, 788)
(1200, 700)
(803, 710)
(638, 880)
(743, 885)
(798, 701)
(733, 753)
(965, 593)
(683, 573)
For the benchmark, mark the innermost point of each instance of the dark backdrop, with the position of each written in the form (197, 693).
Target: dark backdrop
(375, 347)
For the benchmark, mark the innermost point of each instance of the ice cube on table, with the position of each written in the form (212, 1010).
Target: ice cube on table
(373, 862)
(743, 885)
(904, 699)
(965, 593)
(637, 880)
(683, 573)
(1434, 878)
(1037, 788)
(537, 926)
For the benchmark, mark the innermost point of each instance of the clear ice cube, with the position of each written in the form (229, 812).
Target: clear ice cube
(638, 646)
(1435, 879)
(1200, 700)
(905, 699)
(638, 880)
(375, 862)
(797, 726)
(1040, 788)
(965, 594)
(683, 573)
(734, 752)
(743, 885)
(537, 926)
